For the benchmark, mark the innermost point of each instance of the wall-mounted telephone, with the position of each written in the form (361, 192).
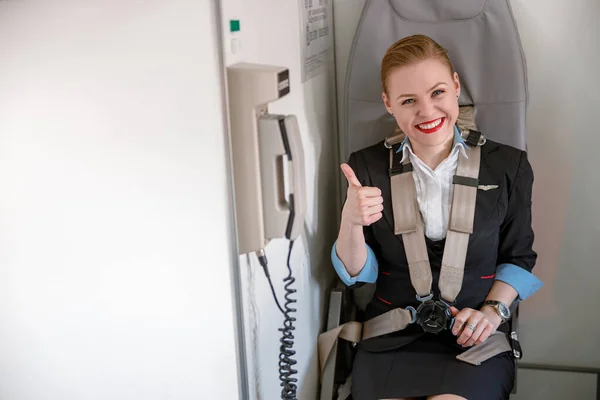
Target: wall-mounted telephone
(268, 161)
(268, 168)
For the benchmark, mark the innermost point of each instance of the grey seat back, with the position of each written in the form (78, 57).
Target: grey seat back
(483, 44)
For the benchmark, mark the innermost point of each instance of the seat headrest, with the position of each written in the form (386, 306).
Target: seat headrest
(483, 44)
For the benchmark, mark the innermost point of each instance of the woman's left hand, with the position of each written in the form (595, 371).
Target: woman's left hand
(472, 326)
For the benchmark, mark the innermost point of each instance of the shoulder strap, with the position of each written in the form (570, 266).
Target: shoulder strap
(408, 222)
(460, 225)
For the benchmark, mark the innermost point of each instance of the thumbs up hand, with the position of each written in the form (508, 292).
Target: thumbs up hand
(364, 205)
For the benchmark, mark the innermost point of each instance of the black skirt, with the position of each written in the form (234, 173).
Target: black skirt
(427, 367)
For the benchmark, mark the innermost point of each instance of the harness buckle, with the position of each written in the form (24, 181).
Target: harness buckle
(413, 314)
(424, 298)
(434, 316)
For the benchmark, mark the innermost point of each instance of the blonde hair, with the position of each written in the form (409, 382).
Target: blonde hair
(409, 50)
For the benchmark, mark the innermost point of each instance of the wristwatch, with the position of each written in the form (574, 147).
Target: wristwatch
(501, 309)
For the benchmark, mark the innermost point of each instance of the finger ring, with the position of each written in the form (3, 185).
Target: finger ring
(471, 327)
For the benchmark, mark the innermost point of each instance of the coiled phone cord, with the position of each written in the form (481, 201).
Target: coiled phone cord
(286, 352)
(286, 362)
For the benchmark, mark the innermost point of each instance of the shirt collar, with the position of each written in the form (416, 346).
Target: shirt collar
(459, 143)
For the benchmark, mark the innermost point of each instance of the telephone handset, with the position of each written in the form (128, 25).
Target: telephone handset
(282, 169)
(268, 161)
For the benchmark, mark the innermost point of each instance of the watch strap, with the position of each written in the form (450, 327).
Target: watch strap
(491, 303)
(495, 304)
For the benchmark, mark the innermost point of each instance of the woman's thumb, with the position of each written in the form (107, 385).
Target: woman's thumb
(350, 176)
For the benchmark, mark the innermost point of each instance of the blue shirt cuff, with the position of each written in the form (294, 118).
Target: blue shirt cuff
(368, 273)
(523, 281)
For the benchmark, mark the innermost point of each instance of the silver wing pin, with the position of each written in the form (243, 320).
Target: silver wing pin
(485, 188)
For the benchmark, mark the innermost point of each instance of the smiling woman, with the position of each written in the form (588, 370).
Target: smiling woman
(421, 90)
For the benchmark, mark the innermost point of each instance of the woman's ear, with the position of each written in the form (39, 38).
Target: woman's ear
(387, 102)
(457, 84)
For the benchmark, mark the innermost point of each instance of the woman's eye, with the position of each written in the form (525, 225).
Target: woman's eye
(408, 101)
(437, 92)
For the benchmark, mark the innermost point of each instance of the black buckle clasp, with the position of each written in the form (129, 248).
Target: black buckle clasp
(434, 316)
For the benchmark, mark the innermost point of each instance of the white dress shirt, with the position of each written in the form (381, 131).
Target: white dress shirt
(434, 187)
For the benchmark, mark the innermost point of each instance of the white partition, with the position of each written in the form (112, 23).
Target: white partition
(116, 248)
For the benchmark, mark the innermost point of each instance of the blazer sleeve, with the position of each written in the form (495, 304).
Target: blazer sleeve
(369, 272)
(516, 233)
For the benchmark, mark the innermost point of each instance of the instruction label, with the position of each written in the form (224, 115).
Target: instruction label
(315, 18)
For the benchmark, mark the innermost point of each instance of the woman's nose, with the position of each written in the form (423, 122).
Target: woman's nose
(426, 108)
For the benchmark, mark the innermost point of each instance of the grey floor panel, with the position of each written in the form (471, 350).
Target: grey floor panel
(553, 385)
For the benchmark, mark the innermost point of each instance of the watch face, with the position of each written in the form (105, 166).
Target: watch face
(504, 311)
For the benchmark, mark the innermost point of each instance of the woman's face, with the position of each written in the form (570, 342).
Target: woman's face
(423, 97)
